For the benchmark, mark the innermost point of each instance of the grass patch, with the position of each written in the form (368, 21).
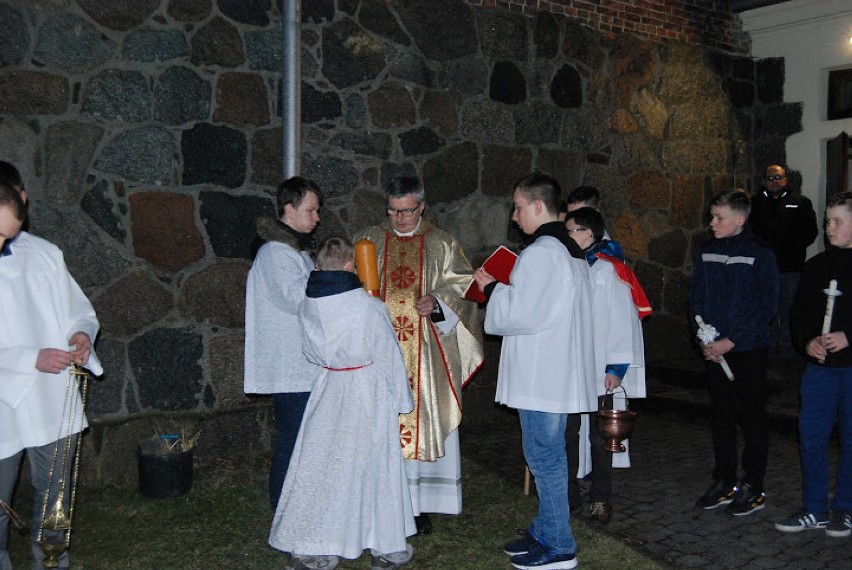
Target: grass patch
(224, 523)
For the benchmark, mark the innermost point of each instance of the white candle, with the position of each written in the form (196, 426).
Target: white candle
(707, 335)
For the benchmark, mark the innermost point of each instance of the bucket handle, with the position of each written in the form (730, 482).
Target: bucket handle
(626, 399)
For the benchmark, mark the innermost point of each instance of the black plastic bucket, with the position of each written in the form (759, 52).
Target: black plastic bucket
(163, 475)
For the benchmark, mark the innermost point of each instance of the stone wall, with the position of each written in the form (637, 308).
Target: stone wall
(148, 132)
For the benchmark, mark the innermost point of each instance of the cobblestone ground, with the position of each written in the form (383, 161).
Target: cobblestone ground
(654, 500)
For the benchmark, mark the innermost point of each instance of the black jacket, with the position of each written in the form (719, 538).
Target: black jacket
(788, 224)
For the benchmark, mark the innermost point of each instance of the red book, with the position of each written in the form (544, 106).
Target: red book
(499, 265)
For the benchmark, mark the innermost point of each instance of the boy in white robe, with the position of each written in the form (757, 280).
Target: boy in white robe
(346, 488)
(47, 325)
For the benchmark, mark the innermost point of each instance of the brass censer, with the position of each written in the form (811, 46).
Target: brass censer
(616, 425)
(54, 531)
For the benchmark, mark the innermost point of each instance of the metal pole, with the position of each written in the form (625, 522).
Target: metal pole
(291, 81)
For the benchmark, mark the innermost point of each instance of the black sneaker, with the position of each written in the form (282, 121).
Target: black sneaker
(717, 494)
(747, 500)
(801, 520)
(521, 545)
(840, 525)
(544, 558)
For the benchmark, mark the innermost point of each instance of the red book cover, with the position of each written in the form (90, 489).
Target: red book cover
(499, 265)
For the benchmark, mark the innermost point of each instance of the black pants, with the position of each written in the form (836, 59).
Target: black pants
(740, 402)
(601, 490)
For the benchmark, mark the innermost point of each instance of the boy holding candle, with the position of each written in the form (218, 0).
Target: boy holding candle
(346, 489)
(827, 382)
(734, 287)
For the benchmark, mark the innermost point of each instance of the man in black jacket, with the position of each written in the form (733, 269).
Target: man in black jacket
(786, 221)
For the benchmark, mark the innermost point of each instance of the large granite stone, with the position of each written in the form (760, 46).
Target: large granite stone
(634, 152)
(507, 83)
(377, 145)
(443, 29)
(686, 73)
(687, 201)
(335, 176)
(391, 106)
(241, 99)
(622, 122)
(226, 370)
(366, 209)
(650, 189)
(21, 141)
(265, 50)
(98, 203)
(439, 110)
(376, 16)
(634, 65)
(319, 105)
(502, 166)
(406, 65)
(770, 80)
(105, 393)
(15, 38)
(252, 12)
(266, 151)
(65, 172)
(467, 76)
(351, 55)
(147, 155)
(450, 175)
(218, 42)
(537, 123)
(181, 96)
(422, 140)
(564, 164)
(740, 93)
(189, 10)
(502, 34)
(166, 365)
(148, 45)
(70, 43)
(668, 249)
(487, 121)
(779, 120)
(132, 304)
(115, 94)
(121, 15)
(566, 88)
(217, 294)
(545, 35)
(214, 155)
(392, 170)
(651, 113)
(477, 221)
(318, 11)
(164, 231)
(229, 221)
(355, 111)
(90, 260)
(627, 229)
(33, 93)
(703, 117)
(580, 44)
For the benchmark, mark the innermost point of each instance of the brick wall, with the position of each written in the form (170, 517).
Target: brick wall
(706, 23)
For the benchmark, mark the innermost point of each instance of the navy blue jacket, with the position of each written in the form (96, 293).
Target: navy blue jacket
(734, 287)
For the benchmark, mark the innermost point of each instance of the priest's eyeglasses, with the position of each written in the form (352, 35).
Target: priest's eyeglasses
(775, 177)
(405, 213)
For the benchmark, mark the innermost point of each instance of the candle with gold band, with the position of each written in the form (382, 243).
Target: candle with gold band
(368, 266)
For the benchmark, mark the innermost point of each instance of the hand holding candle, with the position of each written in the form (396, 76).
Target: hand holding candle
(831, 293)
(707, 334)
(367, 266)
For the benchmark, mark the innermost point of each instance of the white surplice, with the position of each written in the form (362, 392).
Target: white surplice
(346, 487)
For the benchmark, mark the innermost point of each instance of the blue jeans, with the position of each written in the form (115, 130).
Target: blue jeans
(289, 407)
(825, 392)
(543, 436)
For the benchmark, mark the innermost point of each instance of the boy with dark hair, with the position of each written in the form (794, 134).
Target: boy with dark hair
(346, 489)
(734, 288)
(584, 197)
(546, 361)
(48, 325)
(827, 382)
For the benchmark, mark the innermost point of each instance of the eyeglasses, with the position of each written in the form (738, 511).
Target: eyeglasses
(572, 230)
(775, 177)
(406, 213)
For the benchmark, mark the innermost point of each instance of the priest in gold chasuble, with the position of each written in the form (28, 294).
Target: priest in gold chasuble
(423, 273)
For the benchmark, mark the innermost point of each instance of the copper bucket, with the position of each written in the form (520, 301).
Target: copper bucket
(616, 425)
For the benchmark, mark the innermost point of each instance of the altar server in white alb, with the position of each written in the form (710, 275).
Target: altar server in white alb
(618, 304)
(346, 488)
(46, 325)
(546, 362)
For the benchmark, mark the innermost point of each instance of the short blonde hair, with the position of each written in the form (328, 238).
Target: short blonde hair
(334, 253)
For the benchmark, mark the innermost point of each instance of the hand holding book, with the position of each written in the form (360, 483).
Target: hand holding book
(498, 266)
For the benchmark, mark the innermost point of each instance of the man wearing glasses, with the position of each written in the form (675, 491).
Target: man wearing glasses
(423, 273)
(786, 221)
